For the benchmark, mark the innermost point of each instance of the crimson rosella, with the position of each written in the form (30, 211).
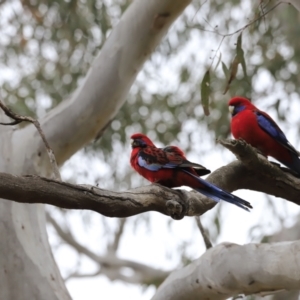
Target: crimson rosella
(259, 130)
(169, 167)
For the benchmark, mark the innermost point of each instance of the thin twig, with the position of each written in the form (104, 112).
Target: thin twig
(219, 46)
(225, 35)
(242, 28)
(68, 237)
(199, 9)
(18, 119)
(204, 233)
(110, 264)
(261, 7)
(77, 274)
(118, 234)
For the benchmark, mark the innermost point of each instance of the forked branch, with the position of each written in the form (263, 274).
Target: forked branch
(18, 119)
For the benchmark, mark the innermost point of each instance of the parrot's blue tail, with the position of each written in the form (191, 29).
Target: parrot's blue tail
(213, 192)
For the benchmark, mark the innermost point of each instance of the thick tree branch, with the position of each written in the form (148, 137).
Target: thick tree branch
(285, 234)
(230, 269)
(258, 174)
(253, 172)
(34, 189)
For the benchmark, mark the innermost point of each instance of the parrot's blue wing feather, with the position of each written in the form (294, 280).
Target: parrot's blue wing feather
(267, 124)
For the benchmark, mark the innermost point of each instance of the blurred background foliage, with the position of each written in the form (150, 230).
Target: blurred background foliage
(47, 47)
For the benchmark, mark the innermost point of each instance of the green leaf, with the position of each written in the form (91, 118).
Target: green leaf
(184, 74)
(239, 49)
(238, 59)
(233, 72)
(240, 54)
(205, 92)
(225, 70)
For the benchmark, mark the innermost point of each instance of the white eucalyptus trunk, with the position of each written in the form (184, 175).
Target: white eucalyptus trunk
(28, 270)
(229, 269)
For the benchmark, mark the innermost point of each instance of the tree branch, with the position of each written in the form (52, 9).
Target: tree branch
(111, 265)
(114, 245)
(253, 172)
(78, 120)
(18, 119)
(68, 127)
(285, 234)
(258, 174)
(34, 189)
(230, 269)
(204, 233)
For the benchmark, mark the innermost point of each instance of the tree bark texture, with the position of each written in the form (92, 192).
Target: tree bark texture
(251, 171)
(228, 270)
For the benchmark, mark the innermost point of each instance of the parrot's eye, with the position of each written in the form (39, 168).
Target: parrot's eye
(138, 143)
(236, 109)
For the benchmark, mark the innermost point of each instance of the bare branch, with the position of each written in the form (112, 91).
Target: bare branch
(258, 174)
(204, 233)
(34, 189)
(253, 172)
(110, 264)
(229, 269)
(262, 15)
(225, 35)
(117, 237)
(82, 275)
(18, 119)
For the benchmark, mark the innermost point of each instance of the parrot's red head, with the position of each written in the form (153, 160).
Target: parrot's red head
(238, 104)
(140, 140)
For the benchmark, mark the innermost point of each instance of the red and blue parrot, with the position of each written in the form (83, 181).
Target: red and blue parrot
(169, 167)
(259, 130)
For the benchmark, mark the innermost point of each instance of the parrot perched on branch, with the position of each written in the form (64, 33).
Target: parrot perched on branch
(259, 130)
(169, 167)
